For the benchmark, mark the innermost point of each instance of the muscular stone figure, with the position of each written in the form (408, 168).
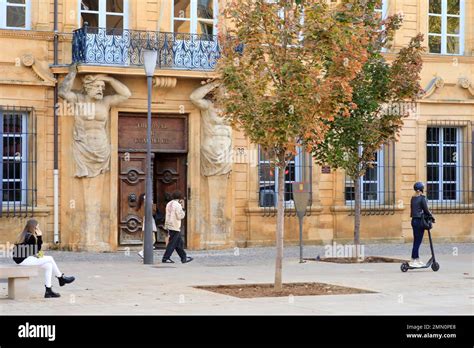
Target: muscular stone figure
(216, 144)
(91, 146)
(216, 160)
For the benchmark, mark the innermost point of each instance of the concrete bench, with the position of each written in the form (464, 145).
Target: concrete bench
(18, 276)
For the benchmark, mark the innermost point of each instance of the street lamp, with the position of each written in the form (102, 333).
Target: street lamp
(149, 63)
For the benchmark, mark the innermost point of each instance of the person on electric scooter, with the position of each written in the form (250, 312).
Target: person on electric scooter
(419, 206)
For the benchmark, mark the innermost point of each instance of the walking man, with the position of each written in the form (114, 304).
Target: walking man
(174, 215)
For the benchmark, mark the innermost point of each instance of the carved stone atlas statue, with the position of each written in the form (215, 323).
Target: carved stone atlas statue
(216, 141)
(91, 146)
(216, 162)
(91, 152)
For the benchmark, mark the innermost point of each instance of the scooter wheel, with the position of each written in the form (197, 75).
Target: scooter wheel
(435, 266)
(404, 267)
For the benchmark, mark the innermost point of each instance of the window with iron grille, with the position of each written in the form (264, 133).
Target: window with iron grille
(299, 169)
(449, 169)
(18, 161)
(377, 186)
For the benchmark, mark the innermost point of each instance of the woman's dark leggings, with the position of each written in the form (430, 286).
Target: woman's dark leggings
(418, 232)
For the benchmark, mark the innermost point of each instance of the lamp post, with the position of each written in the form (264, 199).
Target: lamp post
(149, 63)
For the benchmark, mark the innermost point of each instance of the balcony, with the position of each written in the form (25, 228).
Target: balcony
(124, 48)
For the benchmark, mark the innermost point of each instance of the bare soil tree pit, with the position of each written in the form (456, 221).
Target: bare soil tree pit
(295, 289)
(369, 259)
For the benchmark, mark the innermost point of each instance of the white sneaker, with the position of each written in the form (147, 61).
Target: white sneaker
(419, 263)
(140, 253)
(412, 263)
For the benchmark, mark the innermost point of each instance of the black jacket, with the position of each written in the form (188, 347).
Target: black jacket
(419, 206)
(30, 247)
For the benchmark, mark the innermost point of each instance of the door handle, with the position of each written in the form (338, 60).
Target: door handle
(132, 200)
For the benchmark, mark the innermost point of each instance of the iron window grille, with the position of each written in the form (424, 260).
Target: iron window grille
(377, 186)
(299, 169)
(18, 153)
(449, 167)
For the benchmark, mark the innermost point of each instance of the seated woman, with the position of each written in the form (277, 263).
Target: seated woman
(27, 252)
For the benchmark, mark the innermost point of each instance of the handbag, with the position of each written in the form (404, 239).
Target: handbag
(427, 221)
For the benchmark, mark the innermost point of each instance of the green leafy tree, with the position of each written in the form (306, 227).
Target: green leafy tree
(286, 76)
(352, 142)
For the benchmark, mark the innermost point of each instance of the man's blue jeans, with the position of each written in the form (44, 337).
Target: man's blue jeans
(418, 232)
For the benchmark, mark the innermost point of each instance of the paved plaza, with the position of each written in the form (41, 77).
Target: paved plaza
(119, 283)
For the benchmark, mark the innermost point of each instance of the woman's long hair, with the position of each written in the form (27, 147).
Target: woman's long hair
(30, 227)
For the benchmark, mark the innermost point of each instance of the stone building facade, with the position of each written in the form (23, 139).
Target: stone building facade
(232, 205)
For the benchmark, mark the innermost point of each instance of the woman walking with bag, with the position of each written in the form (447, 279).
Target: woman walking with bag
(419, 210)
(27, 252)
(141, 202)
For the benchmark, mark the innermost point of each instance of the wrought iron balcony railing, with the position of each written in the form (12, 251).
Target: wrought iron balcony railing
(101, 46)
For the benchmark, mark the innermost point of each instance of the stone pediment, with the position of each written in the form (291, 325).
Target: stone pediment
(26, 70)
(467, 84)
(440, 90)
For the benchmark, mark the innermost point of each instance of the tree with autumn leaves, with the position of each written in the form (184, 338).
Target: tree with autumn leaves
(287, 69)
(284, 74)
(381, 92)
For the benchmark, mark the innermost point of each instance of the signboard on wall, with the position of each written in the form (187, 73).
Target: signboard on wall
(168, 133)
(325, 170)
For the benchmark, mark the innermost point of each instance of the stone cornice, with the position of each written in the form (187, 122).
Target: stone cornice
(165, 82)
(42, 74)
(438, 83)
(136, 71)
(260, 211)
(436, 58)
(346, 208)
(447, 101)
(47, 78)
(34, 211)
(33, 35)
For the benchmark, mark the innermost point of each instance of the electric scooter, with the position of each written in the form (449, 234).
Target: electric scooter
(431, 262)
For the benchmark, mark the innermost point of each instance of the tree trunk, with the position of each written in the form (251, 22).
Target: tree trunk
(357, 214)
(280, 229)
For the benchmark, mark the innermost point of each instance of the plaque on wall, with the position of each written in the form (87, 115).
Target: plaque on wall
(326, 170)
(168, 133)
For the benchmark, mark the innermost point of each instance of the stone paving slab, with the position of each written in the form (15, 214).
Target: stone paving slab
(125, 286)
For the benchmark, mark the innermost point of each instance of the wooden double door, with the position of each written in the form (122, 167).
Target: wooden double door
(169, 175)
